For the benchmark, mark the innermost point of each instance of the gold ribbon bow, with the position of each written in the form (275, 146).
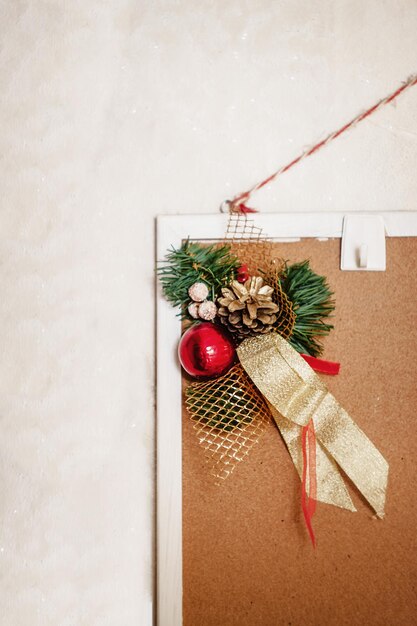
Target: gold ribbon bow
(296, 395)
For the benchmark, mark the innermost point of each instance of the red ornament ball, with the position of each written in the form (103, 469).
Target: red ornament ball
(242, 274)
(206, 350)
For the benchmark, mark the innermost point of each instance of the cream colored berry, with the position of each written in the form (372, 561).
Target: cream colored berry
(207, 310)
(198, 292)
(193, 310)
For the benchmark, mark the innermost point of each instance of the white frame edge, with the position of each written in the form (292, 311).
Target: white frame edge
(171, 231)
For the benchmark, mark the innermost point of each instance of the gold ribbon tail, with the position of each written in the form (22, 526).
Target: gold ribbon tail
(331, 487)
(296, 394)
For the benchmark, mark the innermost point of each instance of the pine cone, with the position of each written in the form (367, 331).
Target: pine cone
(248, 309)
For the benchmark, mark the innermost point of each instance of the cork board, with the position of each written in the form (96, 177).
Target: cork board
(247, 559)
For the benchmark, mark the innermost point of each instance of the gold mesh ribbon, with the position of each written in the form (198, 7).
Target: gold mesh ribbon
(296, 395)
(229, 415)
(286, 316)
(248, 243)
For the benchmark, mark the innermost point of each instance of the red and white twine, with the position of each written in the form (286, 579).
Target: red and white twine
(237, 204)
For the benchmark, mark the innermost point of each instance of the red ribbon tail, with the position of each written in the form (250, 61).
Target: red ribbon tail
(308, 500)
(322, 366)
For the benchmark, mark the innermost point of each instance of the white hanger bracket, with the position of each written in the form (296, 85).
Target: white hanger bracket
(363, 243)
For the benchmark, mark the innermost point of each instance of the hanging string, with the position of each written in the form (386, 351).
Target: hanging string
(238, 203)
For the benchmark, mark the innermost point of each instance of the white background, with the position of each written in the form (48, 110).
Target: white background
(112, 112)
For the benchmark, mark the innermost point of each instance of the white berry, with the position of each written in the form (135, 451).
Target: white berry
(207, 310)
(193, 310)
(198, 292)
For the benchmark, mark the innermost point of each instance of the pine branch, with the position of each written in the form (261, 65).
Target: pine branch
(312, 301)
(213, 265)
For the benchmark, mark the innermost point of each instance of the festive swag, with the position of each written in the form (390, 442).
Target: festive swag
(253, 335)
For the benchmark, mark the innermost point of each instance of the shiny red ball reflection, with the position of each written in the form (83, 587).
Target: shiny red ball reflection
(206, 350)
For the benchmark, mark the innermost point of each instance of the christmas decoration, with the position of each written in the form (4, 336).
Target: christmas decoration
(207, 310)
(193, 310)
(198, 292)
(206, 350)
(214, 266)
(248, 309)
(242, 274)
(272, 317)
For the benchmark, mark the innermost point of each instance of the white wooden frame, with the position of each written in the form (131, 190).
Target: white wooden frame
(171, 231)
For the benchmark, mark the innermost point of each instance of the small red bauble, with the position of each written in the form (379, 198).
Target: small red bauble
(206, 350)
(242, 274)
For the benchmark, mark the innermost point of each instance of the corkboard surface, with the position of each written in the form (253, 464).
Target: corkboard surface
(247, 557)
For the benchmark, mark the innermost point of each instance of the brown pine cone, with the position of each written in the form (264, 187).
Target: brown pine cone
(248, 309)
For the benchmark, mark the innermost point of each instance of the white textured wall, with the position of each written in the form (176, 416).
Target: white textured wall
(110, 113)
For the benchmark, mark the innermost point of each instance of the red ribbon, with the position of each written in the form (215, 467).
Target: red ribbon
(242, 208)
(308, 438)
(308, 500)
(322, 366)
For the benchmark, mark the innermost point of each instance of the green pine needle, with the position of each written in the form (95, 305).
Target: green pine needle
(213, 265)
(312, 302)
